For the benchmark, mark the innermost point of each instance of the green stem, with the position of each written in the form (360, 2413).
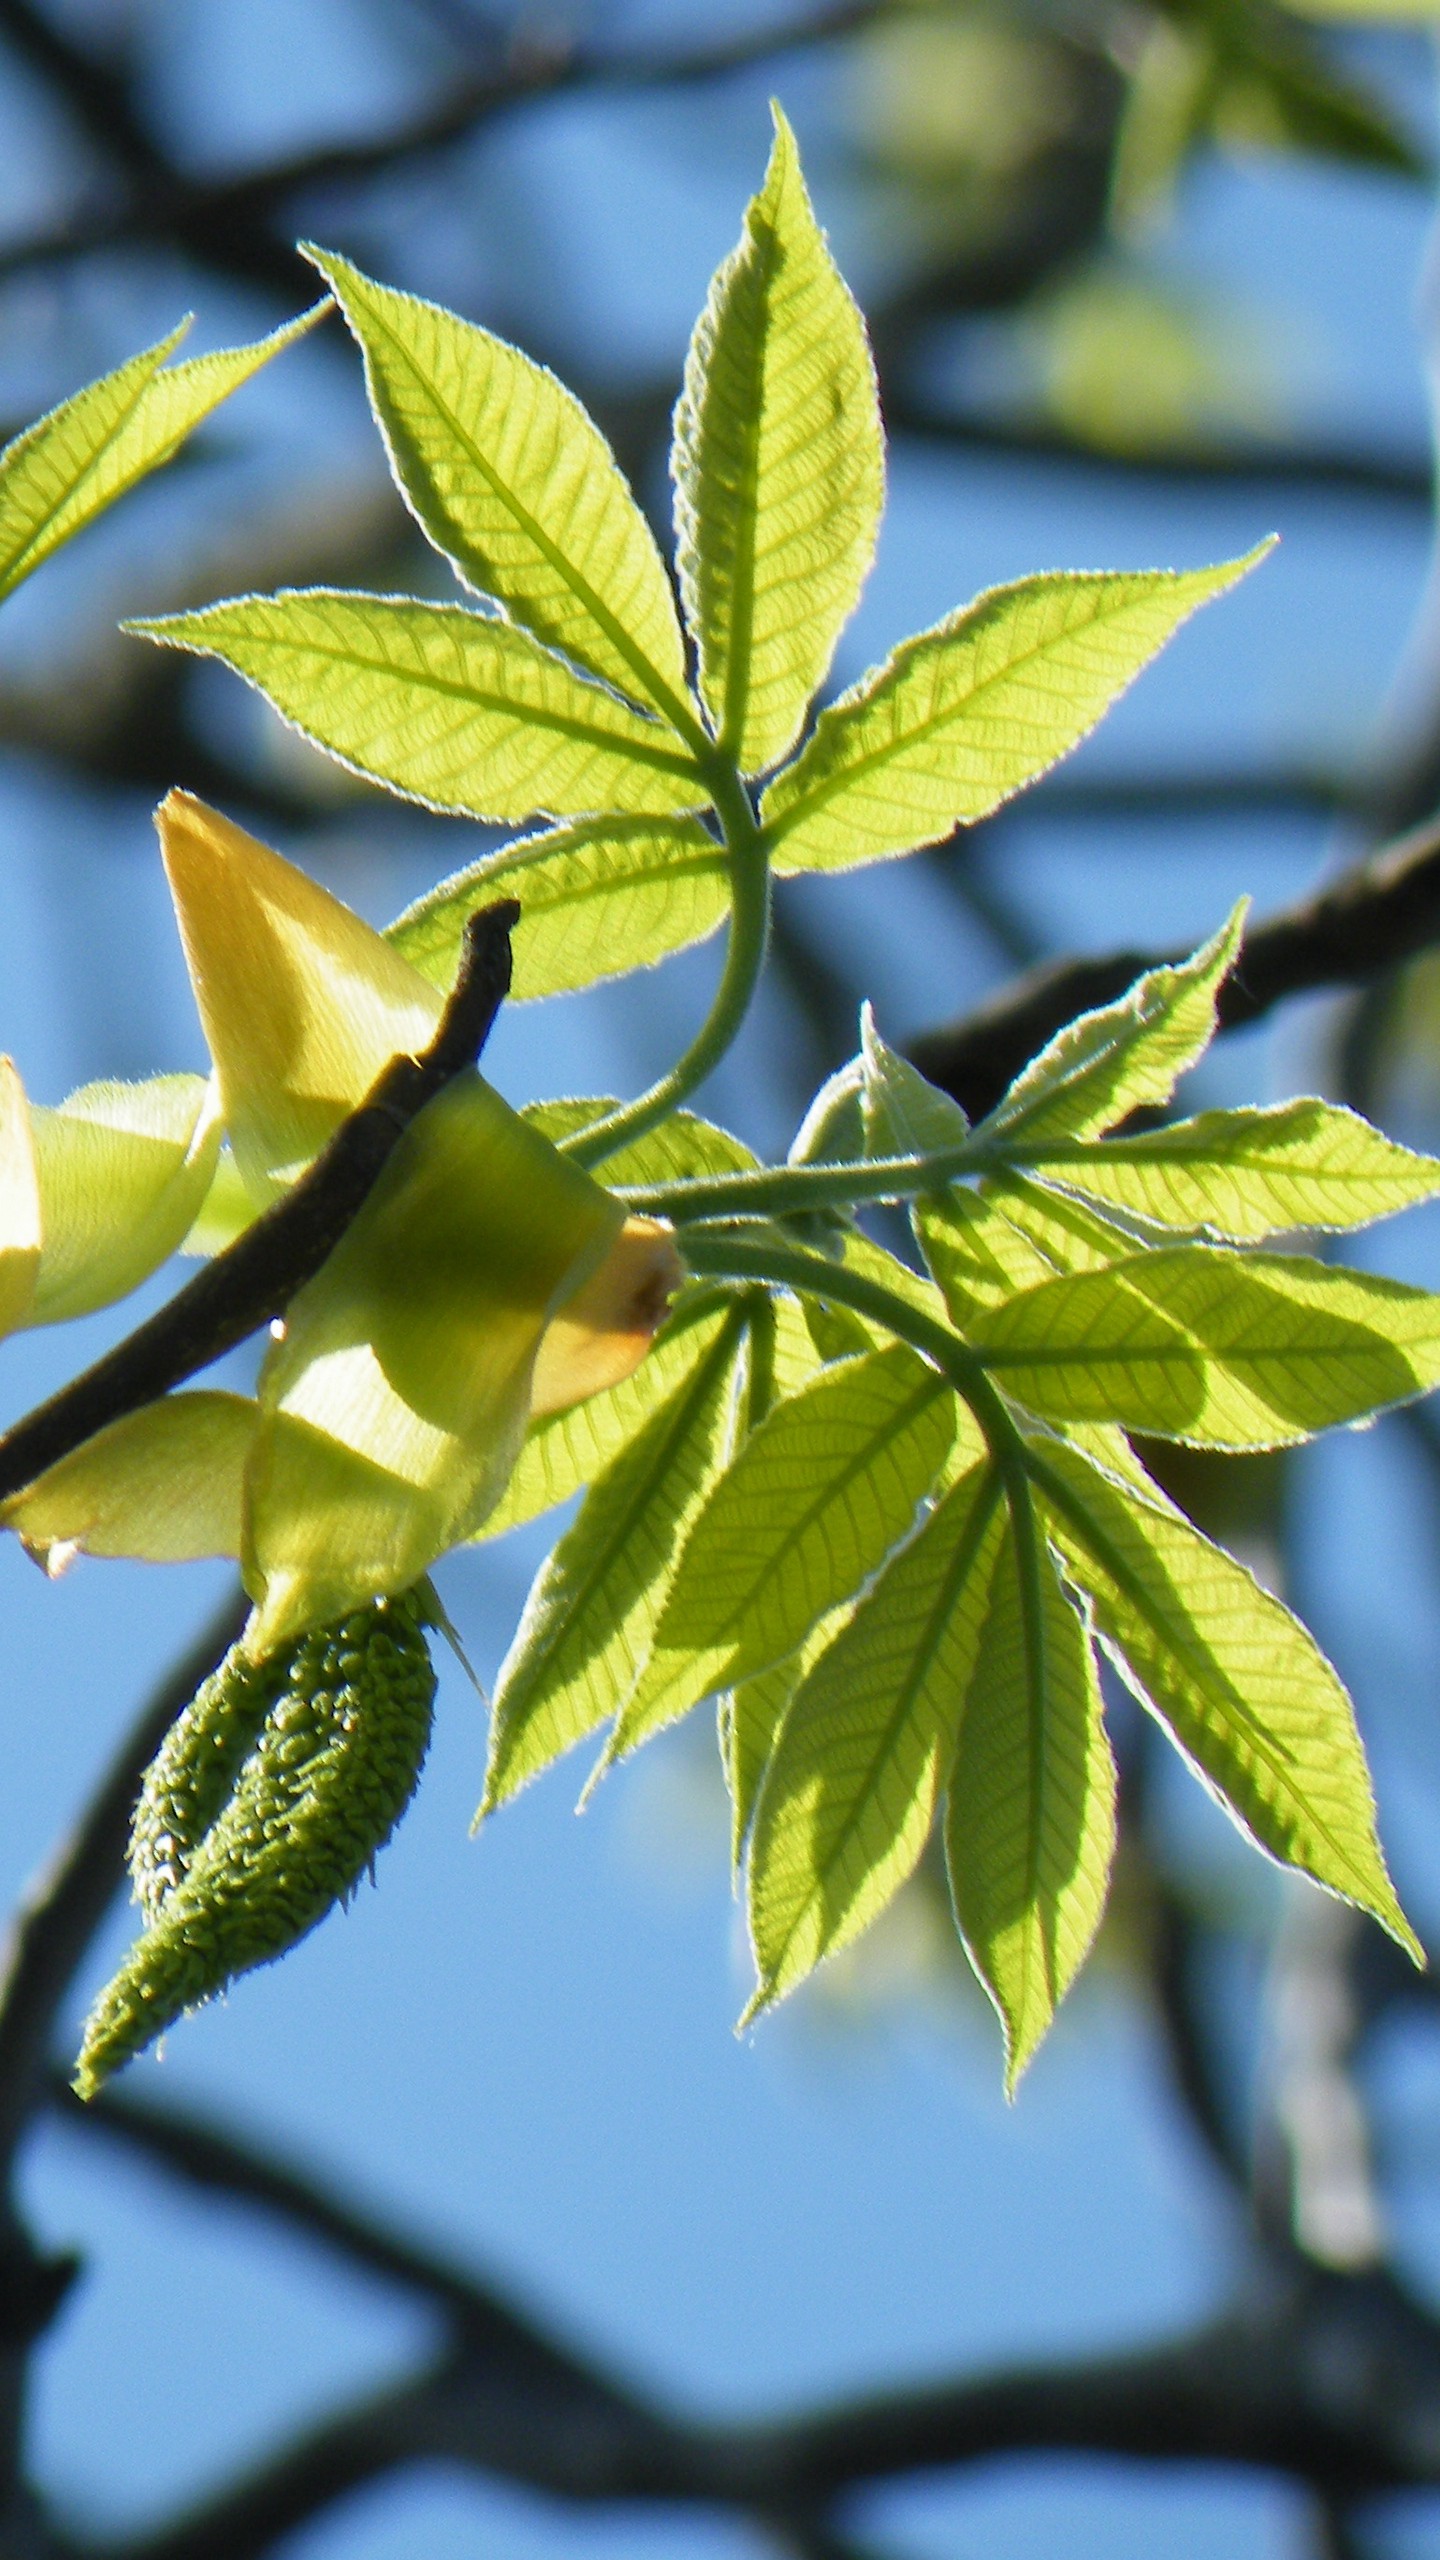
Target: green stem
(744, 960)
(790, 1190)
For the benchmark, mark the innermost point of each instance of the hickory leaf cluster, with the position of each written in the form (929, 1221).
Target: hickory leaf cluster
(883, 1511)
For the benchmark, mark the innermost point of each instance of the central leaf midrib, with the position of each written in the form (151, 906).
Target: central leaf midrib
(12, 569)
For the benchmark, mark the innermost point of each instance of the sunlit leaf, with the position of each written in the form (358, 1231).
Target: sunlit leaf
(850, 1790)
(599, 1593)
(1251, 1173)
(1030, 1819)
(963, 715)
(1121, 1056)
(1231, 1351)
(513, 481)
(1237, 1682)
(902, 1113)
(779, 470)
(597, 899)
(66, 469)
(448, 707)
(20, 1217)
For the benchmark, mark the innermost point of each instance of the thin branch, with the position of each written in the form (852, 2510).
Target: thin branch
(56, 1922)
(254, 1279)
(1382, 911)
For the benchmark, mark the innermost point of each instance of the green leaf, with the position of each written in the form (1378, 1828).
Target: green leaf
(813, 1504)
(165, 1484)
(833, 1129)
(1250, 1173)
(1111, 1061)
(512, 480)
(752, 1715)
(779, 470)
(1030, 1822)
(569, 1450)
(985, 1246)
(1230, 1351)
(902, 1113)
(678, 1148)
(961, 716)
(597, 900)
(598, 1595)
(450, 708)
(124, 1170)
(850, 1790)
(1240, 1686)
(73, 464)
(20, 1216)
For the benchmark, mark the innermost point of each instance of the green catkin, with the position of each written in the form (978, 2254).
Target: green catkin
(337, 1727)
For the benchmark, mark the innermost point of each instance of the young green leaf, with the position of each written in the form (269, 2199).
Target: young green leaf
(1230, 1351)
(124, 1170)
(985, 1246)
(833, 1129)
(66, 469)
(512, 480)
(962, 715)
(598, 1595)
(1030, 1820)
(850, 1790)
(779, 470)
(450, 708)
(598, 899)
(812, 1505)
(678, 1148)
(1241, 1687)
(1250, 1173)
(751, 1718)
(902, 1113)
(1123, 1055)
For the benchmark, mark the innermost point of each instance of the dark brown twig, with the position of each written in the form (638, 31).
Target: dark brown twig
(254, 1279)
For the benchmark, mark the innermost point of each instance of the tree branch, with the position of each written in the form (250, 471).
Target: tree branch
(1382, 911)
(254, 1279)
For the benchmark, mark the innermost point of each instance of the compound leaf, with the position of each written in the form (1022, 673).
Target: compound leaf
(599, 1593)
(597, 899)
(1030, 1821)
(962, 715)
(1241, 1687)
(850, 1789)
(1230, 1351)
(779, 470)
(450, 708)
(512, 480)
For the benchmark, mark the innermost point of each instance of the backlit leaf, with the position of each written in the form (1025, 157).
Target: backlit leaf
(1237, 1682)
(597, 899)
(1231, 1351)
(902, 1113)
(123, 1171)
(1251, 1173)
(599, 1593)
(1030, 1821)
(961, 716)
(165, 1484)
(448, 707)
(512, 479)
(20, 1221)
(778, 467)
(66, 469)
(852, 1783)
(1123, 1055)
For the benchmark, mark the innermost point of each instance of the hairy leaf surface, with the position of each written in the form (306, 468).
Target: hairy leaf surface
(850, 1790)
(961, 716)
(597, 899)
(901, 1112)
(1238, 1683)
(779, 470)
(450, 708)
(124, 1170)
(511, 478)
(1231, 1351)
